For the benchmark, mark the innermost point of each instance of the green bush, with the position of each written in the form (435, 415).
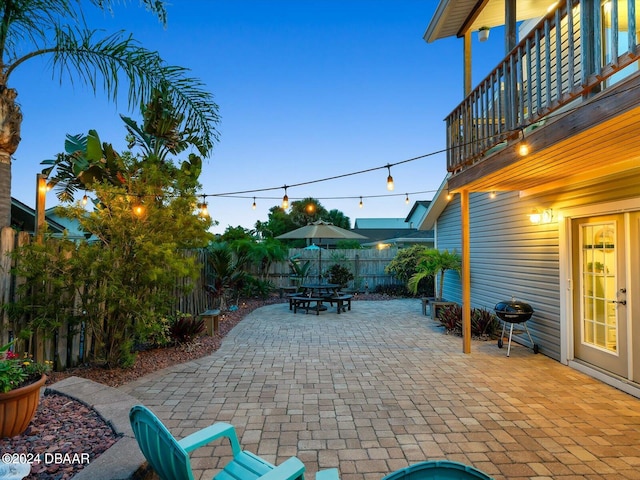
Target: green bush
(339, 275)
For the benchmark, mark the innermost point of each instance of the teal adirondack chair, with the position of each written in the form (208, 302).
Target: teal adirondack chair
(169, 457)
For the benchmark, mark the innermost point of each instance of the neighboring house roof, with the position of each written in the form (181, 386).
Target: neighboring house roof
(23, 218)
(412, 237)
(72, 226)
(380, 223)
(417, 212)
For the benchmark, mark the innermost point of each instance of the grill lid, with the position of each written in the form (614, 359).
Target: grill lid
(513, 310)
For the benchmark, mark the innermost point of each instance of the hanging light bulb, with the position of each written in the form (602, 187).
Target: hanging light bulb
(85, 199)
(390, 185)
(138, 208)
(360, 204)
(204, 210)
(406, 200)
(254, 203)
(285, 199)
(523, 147)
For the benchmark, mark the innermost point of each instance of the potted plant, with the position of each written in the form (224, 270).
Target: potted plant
(483, 34)
(20, 382)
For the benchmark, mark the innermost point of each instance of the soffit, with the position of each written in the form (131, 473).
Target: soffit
(451, 15)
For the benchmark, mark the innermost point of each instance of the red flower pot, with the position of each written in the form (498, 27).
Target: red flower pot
(18, 407)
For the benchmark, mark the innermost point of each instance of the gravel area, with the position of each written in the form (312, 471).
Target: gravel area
(63, 425)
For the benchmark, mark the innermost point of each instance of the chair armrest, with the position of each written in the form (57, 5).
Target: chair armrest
(329, 474)
(209, 434)
(290, 469)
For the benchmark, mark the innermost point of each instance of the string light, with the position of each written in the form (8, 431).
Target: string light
(254, 203)
(138, 208)
(390, 185)
(523, 148)
(85, 199)
(360, 204)
(406, 200)
(285, 199)
(204, 210)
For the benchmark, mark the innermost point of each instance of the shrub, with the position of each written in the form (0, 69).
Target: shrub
(186, 328)
(397, 290)
(256, 288)
(339, 275)
(450, 317)
(483, 322)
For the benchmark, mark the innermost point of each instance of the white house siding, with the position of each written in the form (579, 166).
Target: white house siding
(510, 257)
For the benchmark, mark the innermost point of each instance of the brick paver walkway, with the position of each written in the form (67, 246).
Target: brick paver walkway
(373, 390)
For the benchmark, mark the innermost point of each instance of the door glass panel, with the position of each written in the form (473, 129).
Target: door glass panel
(599, 313)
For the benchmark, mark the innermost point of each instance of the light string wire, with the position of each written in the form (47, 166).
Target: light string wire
(240, 193)
(420, 157)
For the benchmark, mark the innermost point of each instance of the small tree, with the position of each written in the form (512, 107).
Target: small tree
(434, 262)
(405, 264)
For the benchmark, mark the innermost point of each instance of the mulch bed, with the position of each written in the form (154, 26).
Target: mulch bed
(65, 426)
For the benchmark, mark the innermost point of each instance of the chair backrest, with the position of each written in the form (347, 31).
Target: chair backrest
(167, 458)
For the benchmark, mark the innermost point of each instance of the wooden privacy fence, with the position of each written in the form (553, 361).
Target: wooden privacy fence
(366, 265)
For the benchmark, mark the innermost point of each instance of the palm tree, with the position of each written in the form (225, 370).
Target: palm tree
(56, 29)
(434, 262)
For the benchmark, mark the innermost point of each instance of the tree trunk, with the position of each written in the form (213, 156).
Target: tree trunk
(10, 122)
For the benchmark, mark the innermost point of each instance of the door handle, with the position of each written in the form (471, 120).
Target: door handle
(619, 302)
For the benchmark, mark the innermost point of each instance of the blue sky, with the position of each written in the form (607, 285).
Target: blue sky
(307, 90)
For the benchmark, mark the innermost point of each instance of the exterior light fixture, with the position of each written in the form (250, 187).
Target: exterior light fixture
(492, 195)
(254, 203)
(390, 185)
(360, 204)
(285, 199)
(523, 147)
(406, 200)
(449, 195)
(538, 217)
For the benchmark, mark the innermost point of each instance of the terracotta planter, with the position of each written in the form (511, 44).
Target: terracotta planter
(18, 407)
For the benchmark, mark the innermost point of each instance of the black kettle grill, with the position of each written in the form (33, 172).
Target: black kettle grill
(512, 312)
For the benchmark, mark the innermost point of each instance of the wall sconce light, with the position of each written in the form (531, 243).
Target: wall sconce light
(285, 199)
(492, 195)
(390, 185)
(538, 217)
(449, 195)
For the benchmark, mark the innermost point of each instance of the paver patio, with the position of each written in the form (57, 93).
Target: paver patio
(380, 387)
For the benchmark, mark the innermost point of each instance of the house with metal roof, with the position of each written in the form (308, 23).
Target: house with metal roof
(397, 232)
(542, 193)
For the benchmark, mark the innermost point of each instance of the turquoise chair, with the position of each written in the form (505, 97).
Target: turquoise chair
(169, 457)
(437, 469)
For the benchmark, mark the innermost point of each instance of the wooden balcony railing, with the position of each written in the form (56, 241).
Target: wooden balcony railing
(575, 51)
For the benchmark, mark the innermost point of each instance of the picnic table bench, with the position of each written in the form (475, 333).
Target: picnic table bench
(305, 302)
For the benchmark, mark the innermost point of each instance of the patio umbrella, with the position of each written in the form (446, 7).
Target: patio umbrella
(321, 230)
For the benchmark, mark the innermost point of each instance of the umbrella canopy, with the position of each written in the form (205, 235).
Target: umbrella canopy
(319, 230)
